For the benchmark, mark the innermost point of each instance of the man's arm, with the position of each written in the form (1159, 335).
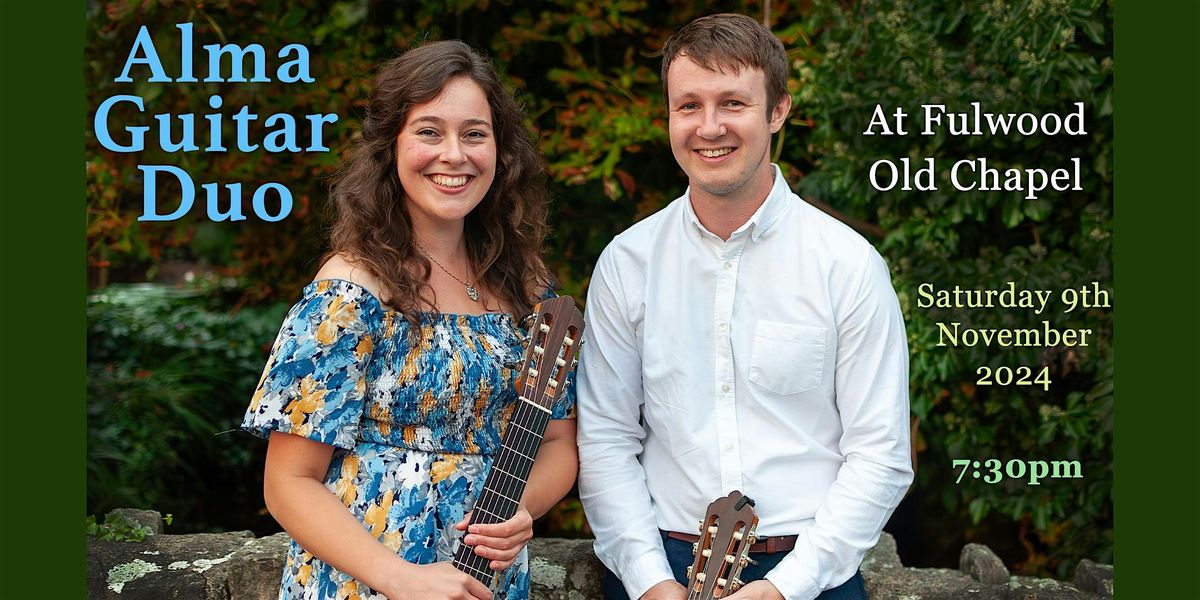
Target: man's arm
(612, 483)
(871, 388)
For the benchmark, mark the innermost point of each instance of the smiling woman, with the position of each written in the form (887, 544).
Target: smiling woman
(446, 155)
(429, 124)
(390, 382)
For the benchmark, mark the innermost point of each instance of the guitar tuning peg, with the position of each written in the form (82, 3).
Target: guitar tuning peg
(751, 539)
(700, 526)
(689, 571)
(746, 560)
(695, 548)
(527, 322)
(736, 585)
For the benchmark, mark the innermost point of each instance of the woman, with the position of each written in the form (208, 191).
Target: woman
(390, 381)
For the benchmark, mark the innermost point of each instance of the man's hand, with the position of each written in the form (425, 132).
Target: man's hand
(666, 590)
(757, 590)
(436, 581)
(499, 542)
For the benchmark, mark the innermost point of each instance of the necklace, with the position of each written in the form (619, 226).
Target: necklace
(472, 293)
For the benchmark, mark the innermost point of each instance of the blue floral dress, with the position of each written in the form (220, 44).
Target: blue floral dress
(414, 425)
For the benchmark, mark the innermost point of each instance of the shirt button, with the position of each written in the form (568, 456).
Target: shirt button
(728, 448)
(725, 387)
(728, 266)
(722, 327)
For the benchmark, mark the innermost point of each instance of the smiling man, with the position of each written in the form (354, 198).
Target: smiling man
(740, 339)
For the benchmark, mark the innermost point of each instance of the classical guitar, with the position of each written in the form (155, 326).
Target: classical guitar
(726, 534)
(550, 355)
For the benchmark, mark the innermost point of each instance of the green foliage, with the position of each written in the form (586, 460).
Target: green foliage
(168, 372)
(117, 528)
(588, 74)
(1038, 56)
(566, 519)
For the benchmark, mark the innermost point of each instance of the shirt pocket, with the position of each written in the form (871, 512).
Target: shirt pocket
(787, 359)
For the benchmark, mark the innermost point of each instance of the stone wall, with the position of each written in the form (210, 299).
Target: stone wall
(238, 566)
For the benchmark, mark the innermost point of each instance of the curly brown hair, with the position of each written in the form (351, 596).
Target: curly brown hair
(504, 233)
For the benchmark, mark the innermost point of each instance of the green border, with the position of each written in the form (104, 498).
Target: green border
(1158, 282)
(42, 307)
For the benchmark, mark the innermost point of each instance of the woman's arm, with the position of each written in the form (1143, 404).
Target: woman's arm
(296, 496)
(550, 479)
(554, 469)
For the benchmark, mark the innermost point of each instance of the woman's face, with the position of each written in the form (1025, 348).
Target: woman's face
(446, 154)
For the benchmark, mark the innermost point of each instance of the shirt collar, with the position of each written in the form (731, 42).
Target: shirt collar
(761, 221)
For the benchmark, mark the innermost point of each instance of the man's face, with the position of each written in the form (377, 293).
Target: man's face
(720, 128)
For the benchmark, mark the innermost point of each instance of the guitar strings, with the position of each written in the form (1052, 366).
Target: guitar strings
(502, 501)
(486, 509)
(499, 505)
(517, 438)
(522, 437)
(508, 484)
(522, 441)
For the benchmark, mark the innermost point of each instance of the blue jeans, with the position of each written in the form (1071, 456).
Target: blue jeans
(679, 554)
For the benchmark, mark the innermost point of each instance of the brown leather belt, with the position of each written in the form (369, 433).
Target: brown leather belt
(767, 545)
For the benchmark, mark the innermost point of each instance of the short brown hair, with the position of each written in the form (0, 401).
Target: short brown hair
(730, 41)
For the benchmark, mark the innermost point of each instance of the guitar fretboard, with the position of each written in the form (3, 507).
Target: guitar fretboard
(505, 482)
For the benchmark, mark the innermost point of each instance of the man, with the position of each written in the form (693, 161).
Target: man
(740, 339)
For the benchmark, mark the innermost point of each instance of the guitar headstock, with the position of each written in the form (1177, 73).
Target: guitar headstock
(726, 534)
(553, 344)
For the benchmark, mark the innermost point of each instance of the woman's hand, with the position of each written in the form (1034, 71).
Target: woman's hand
(436, 581)
(499, 542)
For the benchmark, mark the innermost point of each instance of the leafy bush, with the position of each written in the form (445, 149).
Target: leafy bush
(168, 374)
(1037, 57)
(118, 528)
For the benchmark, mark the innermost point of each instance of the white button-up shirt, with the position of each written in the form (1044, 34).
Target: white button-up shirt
(774, 363)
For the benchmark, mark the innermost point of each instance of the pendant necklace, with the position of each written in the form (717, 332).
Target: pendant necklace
(472, 293)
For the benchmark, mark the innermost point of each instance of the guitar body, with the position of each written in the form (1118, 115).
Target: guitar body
(552, 346)
(726, 534)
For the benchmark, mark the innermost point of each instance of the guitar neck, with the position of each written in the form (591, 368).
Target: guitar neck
(505, 482)
(549, 356)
